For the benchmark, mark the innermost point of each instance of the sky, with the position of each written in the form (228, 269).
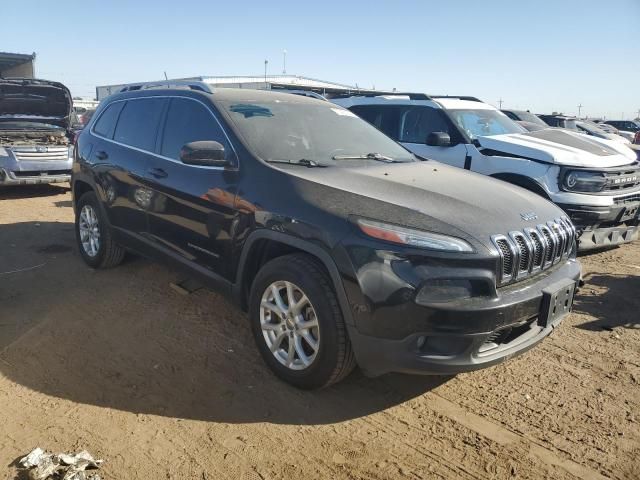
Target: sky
(541, 55)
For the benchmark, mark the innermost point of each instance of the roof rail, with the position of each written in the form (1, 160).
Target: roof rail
(459, 97)
(304, 93)
(372, 93)
(193, 85)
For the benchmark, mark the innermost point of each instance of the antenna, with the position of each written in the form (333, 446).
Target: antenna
(165, 75)
(284, 61)
(500, 103)
(266, 62)
(579, 110)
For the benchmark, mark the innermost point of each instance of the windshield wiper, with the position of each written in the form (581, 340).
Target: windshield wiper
(303, 162)
(369, 156)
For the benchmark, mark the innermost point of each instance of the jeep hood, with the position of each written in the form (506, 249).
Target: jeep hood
(560, 147)
(426, 195)
(35, 100)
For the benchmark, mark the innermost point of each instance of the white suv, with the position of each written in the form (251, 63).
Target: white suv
(596, 182)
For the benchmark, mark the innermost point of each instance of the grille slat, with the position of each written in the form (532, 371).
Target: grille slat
(538, 249)
(523, 253)
(507, 257)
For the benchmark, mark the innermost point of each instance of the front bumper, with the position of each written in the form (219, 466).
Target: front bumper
(8, 177)
(606, 226)
(466, 335)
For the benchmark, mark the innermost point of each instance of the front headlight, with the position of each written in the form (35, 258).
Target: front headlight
(413, 238)
(583, 181)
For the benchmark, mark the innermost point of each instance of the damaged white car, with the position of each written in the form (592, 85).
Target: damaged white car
(595, 181)
(35, 133)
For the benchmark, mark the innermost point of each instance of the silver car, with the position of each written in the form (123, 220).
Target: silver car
(35, 132)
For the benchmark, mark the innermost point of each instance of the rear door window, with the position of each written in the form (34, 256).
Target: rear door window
(138, 123)
(107, 122)
(189, 121)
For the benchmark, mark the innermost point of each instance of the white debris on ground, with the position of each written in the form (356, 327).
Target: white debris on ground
(42, 465)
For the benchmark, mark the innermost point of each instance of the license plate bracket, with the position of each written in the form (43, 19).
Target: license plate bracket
(557, 301)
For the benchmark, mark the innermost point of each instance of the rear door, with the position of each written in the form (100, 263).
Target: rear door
(192, 208)
(128, 131)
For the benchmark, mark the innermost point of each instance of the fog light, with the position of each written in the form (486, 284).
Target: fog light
(444, 290)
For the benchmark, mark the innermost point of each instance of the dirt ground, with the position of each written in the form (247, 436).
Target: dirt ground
(163, 385)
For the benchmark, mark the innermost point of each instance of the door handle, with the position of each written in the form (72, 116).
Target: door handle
(158, 172)
(102, 155)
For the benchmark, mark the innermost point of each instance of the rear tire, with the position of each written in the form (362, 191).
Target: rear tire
(93, 234)
(312, 317)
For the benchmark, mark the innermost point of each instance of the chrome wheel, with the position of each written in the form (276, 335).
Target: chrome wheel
(89, 230)
(289, 325)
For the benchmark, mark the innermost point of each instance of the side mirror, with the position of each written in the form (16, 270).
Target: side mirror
(438, 139)
(205, 153)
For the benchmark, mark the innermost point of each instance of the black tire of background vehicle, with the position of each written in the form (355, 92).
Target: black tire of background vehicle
(335, 359)
(110, 254)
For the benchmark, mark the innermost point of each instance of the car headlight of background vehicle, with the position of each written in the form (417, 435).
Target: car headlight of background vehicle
(411, 237)
(583, 181)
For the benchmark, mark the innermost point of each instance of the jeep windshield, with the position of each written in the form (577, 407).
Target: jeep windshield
(484, 122)
(311, 134)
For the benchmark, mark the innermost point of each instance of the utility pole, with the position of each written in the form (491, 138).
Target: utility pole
(266, 62)
(579, 110)
(284, 62)
(500, 103)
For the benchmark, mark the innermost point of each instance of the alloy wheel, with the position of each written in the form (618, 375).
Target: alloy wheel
(289, 325)
(89, 230)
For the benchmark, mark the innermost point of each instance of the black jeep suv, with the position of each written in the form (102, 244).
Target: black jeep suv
(341, 245)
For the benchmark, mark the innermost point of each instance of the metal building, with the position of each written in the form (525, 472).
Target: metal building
(17, 65)
(268, 82)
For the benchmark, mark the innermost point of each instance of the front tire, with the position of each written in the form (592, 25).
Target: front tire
(94, 236)
(297, 323)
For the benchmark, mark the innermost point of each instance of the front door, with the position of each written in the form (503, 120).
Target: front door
(192, 207)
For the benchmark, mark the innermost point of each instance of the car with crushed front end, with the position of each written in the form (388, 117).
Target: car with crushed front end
(35, 132)
(343, 248)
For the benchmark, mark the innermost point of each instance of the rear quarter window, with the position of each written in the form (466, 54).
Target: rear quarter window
(107, 122)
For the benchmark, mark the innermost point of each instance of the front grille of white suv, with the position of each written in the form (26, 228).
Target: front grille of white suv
(526, 252)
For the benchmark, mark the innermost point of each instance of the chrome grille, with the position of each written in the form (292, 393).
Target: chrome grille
(524, 253)
(37, 154)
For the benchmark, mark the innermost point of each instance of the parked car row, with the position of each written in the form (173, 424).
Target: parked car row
(400, 233)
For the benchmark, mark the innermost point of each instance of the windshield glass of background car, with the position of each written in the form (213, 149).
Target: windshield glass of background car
(592, 128)
(530, 117)
(291, 131)
(484, 123)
